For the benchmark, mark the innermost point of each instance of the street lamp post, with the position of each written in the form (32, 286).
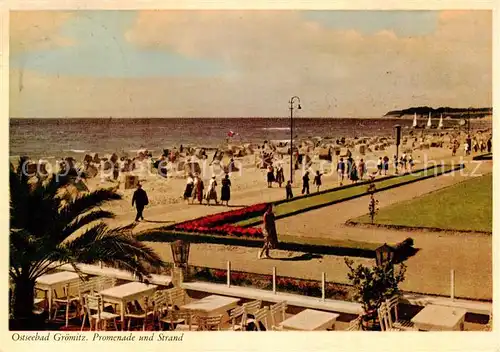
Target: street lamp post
(468, 120)
(292, 107)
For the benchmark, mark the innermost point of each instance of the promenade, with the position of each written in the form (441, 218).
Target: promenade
(470, 255)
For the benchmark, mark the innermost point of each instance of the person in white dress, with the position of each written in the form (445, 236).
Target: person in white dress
(212, 191)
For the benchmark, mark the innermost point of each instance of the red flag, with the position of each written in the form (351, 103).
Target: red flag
(231, 134)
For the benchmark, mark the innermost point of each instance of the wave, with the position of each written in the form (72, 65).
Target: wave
(79, 151)
(275, 128)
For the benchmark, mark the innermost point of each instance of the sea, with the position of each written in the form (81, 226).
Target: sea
(57, 137)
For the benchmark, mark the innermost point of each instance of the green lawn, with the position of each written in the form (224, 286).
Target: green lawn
(317, 201)
(466, 206)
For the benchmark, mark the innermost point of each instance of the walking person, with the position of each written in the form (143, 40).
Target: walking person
(225, 192)
(341, 170)
(469, 145)
(305, 183)
(280, 178)
(466, 148)
(188, 191)
(454, 148)
(270, 176)
(198, 189)
(361, 169)
(288, 188)
(317, 180)
(212, 191)
(411, 162)
(354, 173)
(395, 162)
(140, 199)
(379, 165)
(386, 164)
(348, 167)
(488, 145)
(270, 235)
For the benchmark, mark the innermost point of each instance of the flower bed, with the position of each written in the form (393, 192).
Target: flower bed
(222, 223)
(304, 287)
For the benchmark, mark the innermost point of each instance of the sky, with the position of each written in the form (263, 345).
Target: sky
(180, 63)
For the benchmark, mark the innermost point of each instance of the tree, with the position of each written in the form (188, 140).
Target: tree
(372, 205)
(50, 227)
(373, 285)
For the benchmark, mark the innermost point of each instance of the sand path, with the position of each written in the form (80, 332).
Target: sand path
(428, 271)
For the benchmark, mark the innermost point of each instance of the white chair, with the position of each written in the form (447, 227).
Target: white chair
(237, 318)
(160, 305)
(181, 320)
(71, 298)
(177, 297)
(250, 308)
(94, 304)
(260, 318)
(392, 305)
(489, 325)
(139, 313)
(104, 282)
(355, 324)
(210, 323)
(383, 318)
(278, 313)
(39, 303)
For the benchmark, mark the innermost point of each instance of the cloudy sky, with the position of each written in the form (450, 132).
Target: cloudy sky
(246, 63)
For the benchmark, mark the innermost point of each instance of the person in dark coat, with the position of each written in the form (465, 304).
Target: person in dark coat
(280, 178)
(488, 145)
(269, 231)
(341, 170)
(317, 180)
(288, 188)
(305, 183)
(270, 176)
(225, 192)
(140, 199)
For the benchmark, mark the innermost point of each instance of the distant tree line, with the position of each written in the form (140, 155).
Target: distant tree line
(446, 111)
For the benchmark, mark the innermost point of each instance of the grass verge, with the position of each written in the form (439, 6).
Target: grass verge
(466, 206)
(303, 204)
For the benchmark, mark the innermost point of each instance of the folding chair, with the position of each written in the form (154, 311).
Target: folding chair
(355, 324)
(278, 313)
(210, 323)
(94, 304)
(384, 319)
(392, 305)
(70, 298)
(237, 317)
(181, 320)
(140, 313)
(261, 318)
(250, 308)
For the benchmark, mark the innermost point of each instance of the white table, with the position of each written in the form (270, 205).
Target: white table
(126, 293)
(310, 320)
(440, 318)
(212, 305)
(51, 282)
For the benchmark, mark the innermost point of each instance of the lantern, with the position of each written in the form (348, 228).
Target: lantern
(384, 254)
(180, 253)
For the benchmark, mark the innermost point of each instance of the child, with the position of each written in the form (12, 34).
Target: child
(288, 188)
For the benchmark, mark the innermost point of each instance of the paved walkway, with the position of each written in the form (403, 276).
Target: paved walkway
(428, 271)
